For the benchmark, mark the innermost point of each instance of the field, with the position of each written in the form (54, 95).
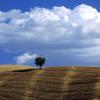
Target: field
(4, 68)
(53, 83)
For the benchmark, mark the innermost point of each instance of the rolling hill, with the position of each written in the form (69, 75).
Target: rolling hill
(53, 83)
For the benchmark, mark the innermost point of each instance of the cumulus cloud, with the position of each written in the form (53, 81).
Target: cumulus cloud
(25, 58)
(57, 28)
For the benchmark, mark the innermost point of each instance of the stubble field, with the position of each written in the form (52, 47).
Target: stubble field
(53, 83)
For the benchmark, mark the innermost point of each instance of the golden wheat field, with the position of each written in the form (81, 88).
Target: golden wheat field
(53, 83)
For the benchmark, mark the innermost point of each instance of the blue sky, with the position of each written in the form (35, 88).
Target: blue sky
(56, 29)
(27, 4)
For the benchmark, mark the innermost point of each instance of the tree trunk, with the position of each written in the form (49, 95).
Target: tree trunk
(40, 67)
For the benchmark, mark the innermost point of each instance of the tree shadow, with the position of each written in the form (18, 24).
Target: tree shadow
(25, 70)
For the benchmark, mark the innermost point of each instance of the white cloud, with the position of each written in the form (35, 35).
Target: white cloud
(25, 58)
(56, 28)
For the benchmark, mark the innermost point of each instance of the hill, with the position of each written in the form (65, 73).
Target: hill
(9, 67)
(54, 83)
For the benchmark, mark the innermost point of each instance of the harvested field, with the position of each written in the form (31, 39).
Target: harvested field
(58, 83)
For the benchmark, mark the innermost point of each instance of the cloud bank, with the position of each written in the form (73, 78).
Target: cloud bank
(25, 58)
(58, 29)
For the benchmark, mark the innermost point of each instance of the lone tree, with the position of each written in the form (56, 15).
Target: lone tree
(39, 61)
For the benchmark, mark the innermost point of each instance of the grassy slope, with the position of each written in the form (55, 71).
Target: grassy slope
(4, 68)
(63, 83)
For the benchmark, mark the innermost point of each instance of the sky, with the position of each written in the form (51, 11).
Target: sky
(65, 32)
